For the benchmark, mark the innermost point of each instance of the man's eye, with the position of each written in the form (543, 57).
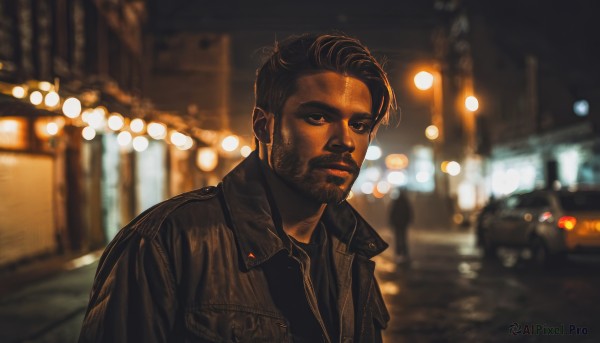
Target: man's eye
(315, 118)
(361, 127)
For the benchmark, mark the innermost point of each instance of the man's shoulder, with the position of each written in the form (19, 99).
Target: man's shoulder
(184, 210)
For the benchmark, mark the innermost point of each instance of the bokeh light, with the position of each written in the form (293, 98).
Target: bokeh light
(52, 99)
(230, 143)
(373, 153)
(116, 121)
(471, 103)
(140, 143)
(88, 133)
(72, 107)
(207, 159)
(423, 80)
(36, 97)
(432, 132)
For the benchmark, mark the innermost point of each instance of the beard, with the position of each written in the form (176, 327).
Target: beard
(287, 165)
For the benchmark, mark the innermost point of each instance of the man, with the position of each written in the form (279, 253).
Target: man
(401, 215)
(274, 253)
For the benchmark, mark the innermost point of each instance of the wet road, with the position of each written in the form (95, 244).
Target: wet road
(449, 294)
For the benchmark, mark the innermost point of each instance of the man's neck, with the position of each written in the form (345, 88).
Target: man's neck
(299, 214)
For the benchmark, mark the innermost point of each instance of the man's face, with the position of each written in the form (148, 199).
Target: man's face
(322, 135)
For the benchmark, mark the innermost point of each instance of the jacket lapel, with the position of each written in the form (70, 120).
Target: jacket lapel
(248, 202)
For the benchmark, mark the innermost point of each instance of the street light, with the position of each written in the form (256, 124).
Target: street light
(424, 80)
(471, 103)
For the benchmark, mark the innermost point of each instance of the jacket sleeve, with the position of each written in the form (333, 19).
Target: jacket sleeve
(133, 298)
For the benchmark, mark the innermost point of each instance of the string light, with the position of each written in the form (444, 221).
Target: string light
(72, 108)
(245, 151)
(137, 125)
(124, 138)
(178, 138)
(45, 86)
(115, 121)
(230, 143)
(207, 159)
(157, 130)
(96, 119)
(51, 99)
(188, 144)
(52, 128)
(88, 133)
(18, 92)
(85, 115)
(36, 98)
(140, 143)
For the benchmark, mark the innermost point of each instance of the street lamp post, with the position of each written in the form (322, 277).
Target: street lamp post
(425, 80)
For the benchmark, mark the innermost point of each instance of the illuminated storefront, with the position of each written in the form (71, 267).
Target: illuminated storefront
(564, 158)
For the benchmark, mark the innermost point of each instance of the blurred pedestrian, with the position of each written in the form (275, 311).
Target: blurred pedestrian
(400, 217)
(274, 253)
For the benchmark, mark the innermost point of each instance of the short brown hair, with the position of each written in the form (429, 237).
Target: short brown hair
(298, 55)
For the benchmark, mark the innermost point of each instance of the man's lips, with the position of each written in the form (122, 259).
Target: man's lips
(338, 166)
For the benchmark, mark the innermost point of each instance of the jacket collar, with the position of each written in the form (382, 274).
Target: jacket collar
(252, 213)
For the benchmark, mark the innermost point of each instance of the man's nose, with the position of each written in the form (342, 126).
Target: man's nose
(341, 139)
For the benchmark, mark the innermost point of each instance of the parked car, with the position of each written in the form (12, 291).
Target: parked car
(550, 223)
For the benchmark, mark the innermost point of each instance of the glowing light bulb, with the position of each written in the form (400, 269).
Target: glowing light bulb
(45, 86)
(124, 138)
(453, 168)
(115, 122)
(423, 80)
(51, 99)
(471, 103)
(432, 132)
(18, 92)
(140, 143)
(88, 133)
(188, 144)
(96, 118)
(72, 107)
(157, 130)
(178, 138)
(245, 151)
(52, 128)
(207, 159)
(373, 153)
(36, 97)
(137, 125)
(230, 143)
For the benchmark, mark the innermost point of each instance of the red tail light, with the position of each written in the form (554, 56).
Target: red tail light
(567, 222)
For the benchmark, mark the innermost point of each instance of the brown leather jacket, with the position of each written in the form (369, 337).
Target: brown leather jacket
(211, 266)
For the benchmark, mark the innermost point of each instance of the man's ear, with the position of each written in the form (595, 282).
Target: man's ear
(262, 125)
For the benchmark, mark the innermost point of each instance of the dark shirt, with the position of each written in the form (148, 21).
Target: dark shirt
(323, 278)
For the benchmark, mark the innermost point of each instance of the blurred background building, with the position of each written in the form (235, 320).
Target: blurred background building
(110, 106)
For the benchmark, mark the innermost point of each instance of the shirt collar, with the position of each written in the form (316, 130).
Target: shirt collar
(252, 214)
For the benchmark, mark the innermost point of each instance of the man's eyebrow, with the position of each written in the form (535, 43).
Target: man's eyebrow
(330, 109)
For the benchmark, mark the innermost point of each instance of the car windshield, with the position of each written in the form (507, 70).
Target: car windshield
(580, 201)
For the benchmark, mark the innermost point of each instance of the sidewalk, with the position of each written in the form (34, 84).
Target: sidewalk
(14, 278)
(46, 302)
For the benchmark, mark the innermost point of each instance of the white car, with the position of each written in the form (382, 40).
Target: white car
(550, 223)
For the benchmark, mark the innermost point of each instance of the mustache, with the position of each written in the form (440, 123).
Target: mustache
(325, 160)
